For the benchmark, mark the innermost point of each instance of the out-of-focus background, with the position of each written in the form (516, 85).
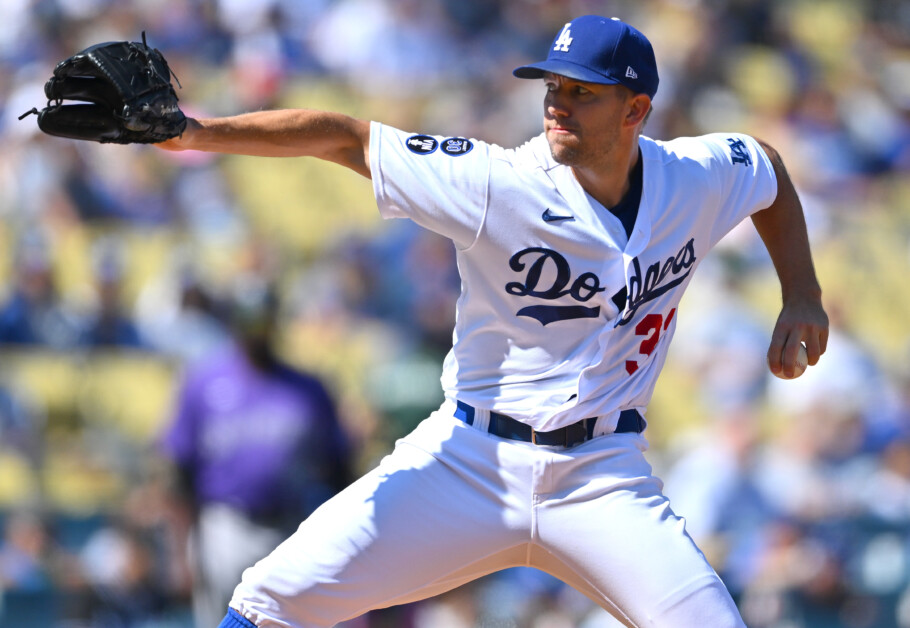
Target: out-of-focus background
(116, 263)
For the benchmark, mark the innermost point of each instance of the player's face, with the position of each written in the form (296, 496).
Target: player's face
(582, 120)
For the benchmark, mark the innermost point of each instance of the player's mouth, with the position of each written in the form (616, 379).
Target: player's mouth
(558, 129)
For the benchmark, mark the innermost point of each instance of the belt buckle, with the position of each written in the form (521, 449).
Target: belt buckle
(533, 436)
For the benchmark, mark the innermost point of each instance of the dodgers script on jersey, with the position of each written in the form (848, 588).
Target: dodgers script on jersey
(561, 315)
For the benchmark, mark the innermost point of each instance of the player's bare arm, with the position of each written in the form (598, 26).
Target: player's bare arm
(782, 227)
(330, 136)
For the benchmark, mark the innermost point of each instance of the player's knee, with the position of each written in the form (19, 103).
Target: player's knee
(708, 605)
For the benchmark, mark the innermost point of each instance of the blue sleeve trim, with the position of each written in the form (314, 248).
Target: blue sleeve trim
(233, 619)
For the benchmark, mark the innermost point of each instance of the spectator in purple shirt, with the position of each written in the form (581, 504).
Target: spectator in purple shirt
(256, 445)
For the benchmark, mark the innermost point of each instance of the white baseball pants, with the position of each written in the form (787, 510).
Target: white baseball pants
(451, 504)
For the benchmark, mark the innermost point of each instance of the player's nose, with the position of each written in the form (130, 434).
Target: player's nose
(557, 108)
(557, 104)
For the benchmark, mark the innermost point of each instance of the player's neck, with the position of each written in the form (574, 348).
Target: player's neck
(609, 181)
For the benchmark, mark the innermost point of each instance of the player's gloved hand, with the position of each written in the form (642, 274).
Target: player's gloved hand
(801, 321)
(123, 93)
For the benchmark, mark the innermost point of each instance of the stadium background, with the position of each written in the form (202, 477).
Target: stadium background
(799, 491)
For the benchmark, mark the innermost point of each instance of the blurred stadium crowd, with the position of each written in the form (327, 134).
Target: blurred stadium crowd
(117, 261)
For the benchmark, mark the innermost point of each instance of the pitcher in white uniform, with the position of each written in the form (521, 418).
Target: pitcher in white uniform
(574, 250)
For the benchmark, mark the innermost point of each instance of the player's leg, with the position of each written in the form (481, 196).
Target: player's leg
(436, 513)
(217, 572)
(605, 527)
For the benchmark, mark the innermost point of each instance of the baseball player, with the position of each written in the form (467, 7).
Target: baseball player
(574, 250)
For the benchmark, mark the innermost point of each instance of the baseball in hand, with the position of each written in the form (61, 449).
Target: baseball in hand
(802, 361)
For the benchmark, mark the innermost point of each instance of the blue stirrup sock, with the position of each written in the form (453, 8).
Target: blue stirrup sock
(233, 619)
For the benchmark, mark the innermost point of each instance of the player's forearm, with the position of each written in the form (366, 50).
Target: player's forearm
(802, 319)
(782, 227)
(282, 133)
(783, 232)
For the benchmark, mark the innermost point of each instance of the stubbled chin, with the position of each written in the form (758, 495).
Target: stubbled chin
(561, 153)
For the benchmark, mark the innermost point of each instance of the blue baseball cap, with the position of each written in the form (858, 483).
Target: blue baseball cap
(603, 50)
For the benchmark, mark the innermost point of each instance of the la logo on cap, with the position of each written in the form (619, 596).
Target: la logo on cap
(564, 40)
(599, 50)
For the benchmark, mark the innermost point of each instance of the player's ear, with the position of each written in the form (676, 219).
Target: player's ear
(637, 109)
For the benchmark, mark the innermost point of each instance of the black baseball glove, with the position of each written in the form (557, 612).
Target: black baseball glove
(125, 92)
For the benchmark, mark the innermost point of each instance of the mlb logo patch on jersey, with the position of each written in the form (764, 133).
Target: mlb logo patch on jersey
(456, 146)
(421, 144)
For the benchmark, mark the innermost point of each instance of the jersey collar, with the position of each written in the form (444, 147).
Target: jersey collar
(641, 232)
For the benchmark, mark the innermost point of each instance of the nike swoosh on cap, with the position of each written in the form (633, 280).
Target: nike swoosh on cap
(549, 216)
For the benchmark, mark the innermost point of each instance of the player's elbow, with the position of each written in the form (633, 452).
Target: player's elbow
(350, 145)
(354, 157)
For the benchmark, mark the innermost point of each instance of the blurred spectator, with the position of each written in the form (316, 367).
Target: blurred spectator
(28, 564)
(116, 187)
(130, 569)
(352, 40)
(886, 494)
(714, 484)
(24, 553)
(849, 382)
(119, 565)
(109, 324)
(21, 425)
(257, 447)
(726, 342)
(178, 315)
(799, 578)
(35, 313)
(417, 289)
(802, 470)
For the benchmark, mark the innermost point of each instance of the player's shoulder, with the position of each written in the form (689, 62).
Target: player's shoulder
(533, 154)
(422, 144)
(701, 148)
(705, 152)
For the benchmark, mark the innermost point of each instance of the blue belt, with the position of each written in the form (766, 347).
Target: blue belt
(569, 436)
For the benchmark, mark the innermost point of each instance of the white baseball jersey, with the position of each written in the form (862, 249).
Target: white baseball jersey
(561, 316)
